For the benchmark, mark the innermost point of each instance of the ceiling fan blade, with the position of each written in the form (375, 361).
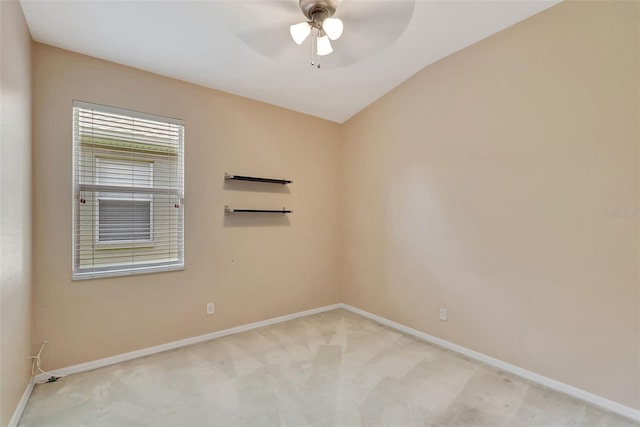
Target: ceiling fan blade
(376, 13)
(261, 11)
(290, 6)
(271, 42)
(263, 25)
(369, 27)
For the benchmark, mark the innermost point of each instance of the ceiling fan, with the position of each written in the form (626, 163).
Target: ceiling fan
(320, 25)
(265, 26)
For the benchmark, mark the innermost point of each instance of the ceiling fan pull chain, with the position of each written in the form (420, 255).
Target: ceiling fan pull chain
(317, 56)
(314, 52)
(313, 49)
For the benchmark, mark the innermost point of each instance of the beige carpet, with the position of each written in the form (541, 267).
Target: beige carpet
(330, 369)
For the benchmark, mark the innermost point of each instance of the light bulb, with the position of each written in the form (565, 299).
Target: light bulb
(323, 46)
(333, 28)
(299, 32)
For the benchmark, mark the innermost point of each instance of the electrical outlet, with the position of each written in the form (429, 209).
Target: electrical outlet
(443, 314)
(210, 308)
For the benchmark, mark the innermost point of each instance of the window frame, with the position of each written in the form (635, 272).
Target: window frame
(177, 190)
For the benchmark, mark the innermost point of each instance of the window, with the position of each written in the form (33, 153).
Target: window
(128, 192)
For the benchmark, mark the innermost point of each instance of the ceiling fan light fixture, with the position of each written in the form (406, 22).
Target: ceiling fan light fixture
(300, 32)
(333, 27)
(324, 46)
(318, 13)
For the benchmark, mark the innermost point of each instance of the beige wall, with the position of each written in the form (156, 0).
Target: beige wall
(15, 207)
(482, 185)
(253, 267)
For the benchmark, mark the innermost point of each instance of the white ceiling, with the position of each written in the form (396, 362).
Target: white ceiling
(243, 46)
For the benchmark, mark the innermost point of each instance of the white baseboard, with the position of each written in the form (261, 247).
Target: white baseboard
(21, 405)
(586, 396)
(610, 405)
(112, 360)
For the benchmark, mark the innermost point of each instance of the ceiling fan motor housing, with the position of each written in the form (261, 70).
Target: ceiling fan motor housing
(318, 10)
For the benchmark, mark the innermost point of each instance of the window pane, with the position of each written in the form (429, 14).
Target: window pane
(124, 173)
(124, 220)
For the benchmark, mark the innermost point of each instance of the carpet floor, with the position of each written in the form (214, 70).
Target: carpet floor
(329, 369)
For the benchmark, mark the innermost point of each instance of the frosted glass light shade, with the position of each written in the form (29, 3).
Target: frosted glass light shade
(299, 32)
(324, 46)
(333, 28)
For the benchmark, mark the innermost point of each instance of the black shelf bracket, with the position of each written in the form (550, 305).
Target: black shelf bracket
(229, 211)
(229, 177)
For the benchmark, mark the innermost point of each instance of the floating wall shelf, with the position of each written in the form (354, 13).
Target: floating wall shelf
(229, 211)
(228, 177)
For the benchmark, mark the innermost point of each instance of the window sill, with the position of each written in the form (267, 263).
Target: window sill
(124, 271)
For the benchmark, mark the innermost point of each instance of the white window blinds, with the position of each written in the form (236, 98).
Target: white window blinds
(128, 178)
